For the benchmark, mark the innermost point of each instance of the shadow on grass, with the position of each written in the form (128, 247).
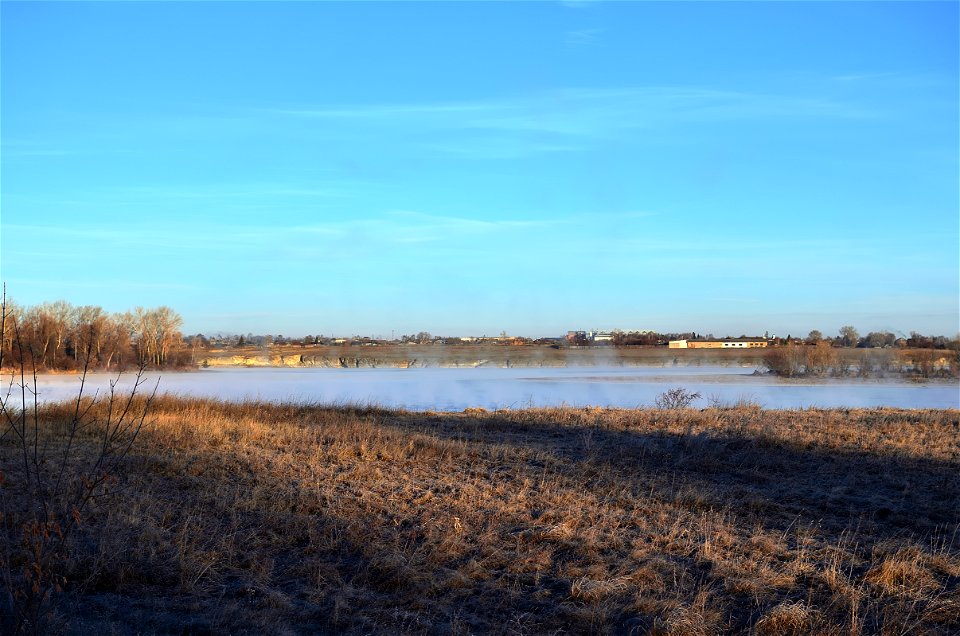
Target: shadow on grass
(777, 481)
(195, 562)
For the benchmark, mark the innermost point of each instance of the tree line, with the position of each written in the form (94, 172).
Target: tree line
(850, 337)
(59, 336)
(847, 337)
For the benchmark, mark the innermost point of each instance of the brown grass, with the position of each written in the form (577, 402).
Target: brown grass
(257, 518)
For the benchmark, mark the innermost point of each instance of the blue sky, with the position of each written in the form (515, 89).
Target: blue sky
(470, 168)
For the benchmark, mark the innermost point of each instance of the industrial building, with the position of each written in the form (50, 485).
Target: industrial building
(723, 343)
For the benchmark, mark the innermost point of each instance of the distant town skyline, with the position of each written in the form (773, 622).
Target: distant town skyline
(472, 168)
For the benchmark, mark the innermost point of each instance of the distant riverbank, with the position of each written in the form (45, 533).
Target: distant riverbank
(468, 356)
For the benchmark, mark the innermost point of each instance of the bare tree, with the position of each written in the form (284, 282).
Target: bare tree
(197, 343)
(61, 315)
(117, 343)
(37, 334)
(156, 332)
(168, 323)
(849, 336)
(877, 339)
(13, 315)
(88, 331)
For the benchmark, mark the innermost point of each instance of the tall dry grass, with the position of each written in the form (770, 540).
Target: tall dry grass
(253, 518)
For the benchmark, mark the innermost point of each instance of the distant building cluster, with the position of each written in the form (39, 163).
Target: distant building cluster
(589, 337)
(573, 338)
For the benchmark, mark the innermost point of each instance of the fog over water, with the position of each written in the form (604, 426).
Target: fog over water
(456, 389)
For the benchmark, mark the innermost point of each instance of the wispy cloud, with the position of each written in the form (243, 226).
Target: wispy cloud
(28, 148)
(500, 148)
(582, 37)
(247, 195)
(246, 190)
(467, 224)
(396, 227)
(741, 245)
(553, 121)
(39, 153)
(383, 111)
(855, 77)
(584, 112)
(104, 284)
(735, 299)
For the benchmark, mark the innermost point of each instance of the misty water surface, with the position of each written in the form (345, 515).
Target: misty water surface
(456, 389)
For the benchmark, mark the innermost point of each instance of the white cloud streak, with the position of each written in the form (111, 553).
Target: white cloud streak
(390, 229)
(396, 228)
(582, 37)
(560, 120)
(585, 112)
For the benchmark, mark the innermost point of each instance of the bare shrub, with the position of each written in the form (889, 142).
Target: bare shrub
(924, 362)
(47, 492)
(786, 361)
(676, 398)
(717, 402)
(820, 358)
(844, 366)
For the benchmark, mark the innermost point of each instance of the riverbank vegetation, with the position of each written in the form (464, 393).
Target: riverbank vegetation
(821, 360)
(254, 518)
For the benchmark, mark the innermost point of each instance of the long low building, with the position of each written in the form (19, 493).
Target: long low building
(723, 343)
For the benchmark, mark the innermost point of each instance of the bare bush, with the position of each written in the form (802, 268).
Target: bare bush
(676, 398)
(47, 492)
(787, 361)
(924, 362)
(819, 359)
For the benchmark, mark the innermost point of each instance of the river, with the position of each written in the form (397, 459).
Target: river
(447, 389)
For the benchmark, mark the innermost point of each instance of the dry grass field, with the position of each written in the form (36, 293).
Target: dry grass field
(288, 519)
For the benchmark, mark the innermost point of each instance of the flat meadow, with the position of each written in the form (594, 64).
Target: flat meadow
(297, 518)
